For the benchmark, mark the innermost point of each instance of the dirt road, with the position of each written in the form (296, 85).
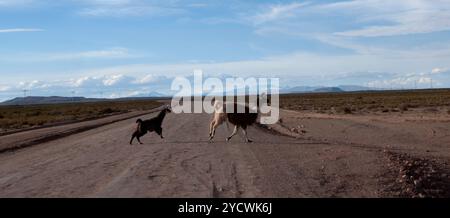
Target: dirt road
(101, 163)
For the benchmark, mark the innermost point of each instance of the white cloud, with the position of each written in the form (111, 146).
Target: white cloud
(85, 81)
(438, 70)
(110, 86)
(372, 18)
(297, 64)
(148, 79)
(111, 53)
(433, 78)
(4, 88)
(277, 12)
(15, 30)
(108, 53)
(35, 84)
(429, 51)
(128, 11)
(111, 80)
(404, 16)
(127, 8)
(118, 80)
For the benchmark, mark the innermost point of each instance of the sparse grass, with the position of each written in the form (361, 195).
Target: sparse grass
(19, 117)
(368, 102)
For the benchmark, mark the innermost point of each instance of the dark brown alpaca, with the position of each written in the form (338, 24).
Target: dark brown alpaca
(241, 117)
(151, 125)
(238, 114)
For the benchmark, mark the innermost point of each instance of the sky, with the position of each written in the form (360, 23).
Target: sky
(121, 48)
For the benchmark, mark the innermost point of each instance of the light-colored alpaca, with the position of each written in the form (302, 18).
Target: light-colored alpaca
(218, 119)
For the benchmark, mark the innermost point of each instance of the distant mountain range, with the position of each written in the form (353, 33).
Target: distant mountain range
(321, 89)
(156, 95)
(47, 100)
(37, 100)
(151, 94)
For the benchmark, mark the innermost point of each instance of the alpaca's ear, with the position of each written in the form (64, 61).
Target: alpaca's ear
(263, 96)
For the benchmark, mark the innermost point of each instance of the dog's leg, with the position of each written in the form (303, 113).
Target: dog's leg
(244, 129)
(139, 135)
(132, 137)
(139, 140)
(159, 131)
(234, 133)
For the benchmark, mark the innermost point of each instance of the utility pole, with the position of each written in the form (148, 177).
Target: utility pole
(73, 95)
(25, 92)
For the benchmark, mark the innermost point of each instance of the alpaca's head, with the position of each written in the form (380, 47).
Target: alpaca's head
(167, 109)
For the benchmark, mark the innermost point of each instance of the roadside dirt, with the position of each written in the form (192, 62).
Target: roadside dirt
(415, 148)
(331, 158)
(23, 139)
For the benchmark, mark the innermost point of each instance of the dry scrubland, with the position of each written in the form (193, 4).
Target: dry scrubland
(23, 117)
(424, 101)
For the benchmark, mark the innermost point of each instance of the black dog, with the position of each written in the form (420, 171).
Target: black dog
(145, 126)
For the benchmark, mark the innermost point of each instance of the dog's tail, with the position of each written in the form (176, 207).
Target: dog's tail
(139, 121)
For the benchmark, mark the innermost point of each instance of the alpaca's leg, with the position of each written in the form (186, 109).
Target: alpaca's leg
(234, 133)
(215, 124)
(244, 129)
(211, 128)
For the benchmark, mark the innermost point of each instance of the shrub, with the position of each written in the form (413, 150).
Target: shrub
(431, 110)
(33, 114)
(347, 110)
(404, 107)
(107, 111)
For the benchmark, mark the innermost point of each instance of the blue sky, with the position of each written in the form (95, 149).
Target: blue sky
(119, 48)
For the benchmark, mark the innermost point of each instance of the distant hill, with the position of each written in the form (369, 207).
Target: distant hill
(36, 100)
(353, 88)
(312, 89)
(31, 100)
(300, 89)
(328, 89)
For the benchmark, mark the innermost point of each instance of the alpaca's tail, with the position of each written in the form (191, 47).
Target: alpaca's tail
(139, 121)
